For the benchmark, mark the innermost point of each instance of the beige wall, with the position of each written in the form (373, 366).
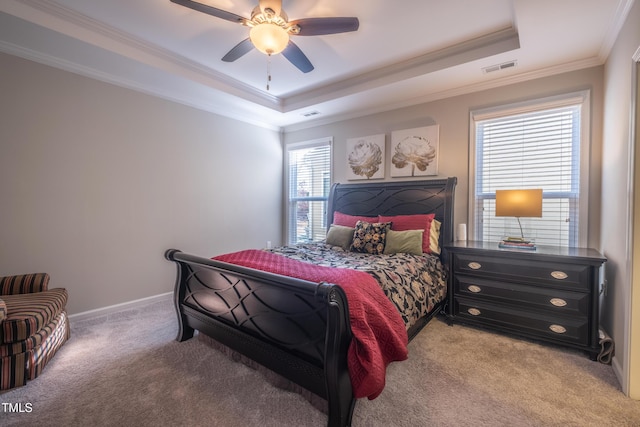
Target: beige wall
(97, 181)
(452, 116)
(616, 227)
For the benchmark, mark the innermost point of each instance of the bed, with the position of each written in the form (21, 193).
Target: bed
(303, 329)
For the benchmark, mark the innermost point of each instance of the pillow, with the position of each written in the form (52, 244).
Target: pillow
(434, 237)
(409, 242)
(350, 220)
(412, 222)
(370, 237)
(339, 235)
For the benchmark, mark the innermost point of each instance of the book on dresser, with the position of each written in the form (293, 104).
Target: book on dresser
(547, 294)
(524, 245)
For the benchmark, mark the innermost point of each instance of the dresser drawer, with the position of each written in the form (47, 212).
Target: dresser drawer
(573, 330)
(556, 301)
(570, 276)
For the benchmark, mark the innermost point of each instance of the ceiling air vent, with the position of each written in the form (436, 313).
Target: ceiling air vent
(497, 67)
(311, 113)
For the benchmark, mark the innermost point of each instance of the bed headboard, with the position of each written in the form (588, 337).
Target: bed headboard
(397, 198)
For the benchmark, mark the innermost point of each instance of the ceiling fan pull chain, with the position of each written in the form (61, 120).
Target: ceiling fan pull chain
(268, 70)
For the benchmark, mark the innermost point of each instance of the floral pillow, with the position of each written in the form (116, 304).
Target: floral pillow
(370, 237)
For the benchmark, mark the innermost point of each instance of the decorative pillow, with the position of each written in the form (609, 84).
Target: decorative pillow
(339, 235)
(412, 222)
(434, 237)
(350, 220)
(409, 242)
(370, 237)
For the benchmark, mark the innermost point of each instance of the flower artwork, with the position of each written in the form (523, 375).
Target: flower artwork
(414, 152)
(365, 157)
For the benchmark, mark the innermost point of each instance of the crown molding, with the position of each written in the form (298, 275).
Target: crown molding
(137, 86)
(66, 21)
(71, 23)
(55, 17)
(617, 23)
(450, 93)
(481, 47)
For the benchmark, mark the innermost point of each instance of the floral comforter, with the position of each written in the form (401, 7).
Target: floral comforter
(413, 283)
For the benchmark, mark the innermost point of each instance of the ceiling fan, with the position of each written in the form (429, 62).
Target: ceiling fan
(271, 28)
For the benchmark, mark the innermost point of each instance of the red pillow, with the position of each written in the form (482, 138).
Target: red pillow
(412, 222)
(350, 220)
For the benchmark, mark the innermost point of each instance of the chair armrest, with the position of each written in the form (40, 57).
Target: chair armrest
(24, 284)
(3, 310)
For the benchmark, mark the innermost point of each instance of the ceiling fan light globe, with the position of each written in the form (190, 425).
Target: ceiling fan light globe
(268, 38)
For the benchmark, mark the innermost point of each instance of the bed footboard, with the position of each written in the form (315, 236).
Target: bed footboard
(296, 328)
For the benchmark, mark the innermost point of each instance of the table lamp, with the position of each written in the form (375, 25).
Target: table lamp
(519, 203)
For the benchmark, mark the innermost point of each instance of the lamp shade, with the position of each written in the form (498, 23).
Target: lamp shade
(519, 203)
(269, 38)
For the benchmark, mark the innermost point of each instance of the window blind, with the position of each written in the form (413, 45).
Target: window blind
(539, 149)
(309, 181)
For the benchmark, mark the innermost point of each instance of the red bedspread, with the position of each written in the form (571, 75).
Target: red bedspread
(379, 335)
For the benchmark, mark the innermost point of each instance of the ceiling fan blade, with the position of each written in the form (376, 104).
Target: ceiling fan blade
(239, 50)
(275, 5)
(322, 26)
(210, 10)
(293, 53)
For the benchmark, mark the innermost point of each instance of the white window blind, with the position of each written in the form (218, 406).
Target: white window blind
(537, 148)
(309, 181)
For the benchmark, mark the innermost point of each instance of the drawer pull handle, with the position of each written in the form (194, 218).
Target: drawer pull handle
(473, 288)
(475, 265)
(558, 302)
(560, 275)
(474, 311)
(558, 329)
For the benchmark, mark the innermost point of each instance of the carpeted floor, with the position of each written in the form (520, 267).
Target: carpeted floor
(126, 369)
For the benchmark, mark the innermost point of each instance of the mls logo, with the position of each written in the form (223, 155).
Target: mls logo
(17, 407)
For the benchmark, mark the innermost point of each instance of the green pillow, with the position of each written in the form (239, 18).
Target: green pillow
(409, 241)
(340, 235)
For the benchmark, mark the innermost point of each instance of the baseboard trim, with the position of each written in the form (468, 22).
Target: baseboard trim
(618, 372)
(104, 311)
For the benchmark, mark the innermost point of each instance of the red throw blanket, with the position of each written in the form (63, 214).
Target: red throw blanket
(379, 335)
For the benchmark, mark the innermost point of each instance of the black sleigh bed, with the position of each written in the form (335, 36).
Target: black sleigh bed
(300, 329)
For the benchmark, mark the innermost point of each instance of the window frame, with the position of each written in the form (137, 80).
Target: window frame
(289, 201)
(580, 98)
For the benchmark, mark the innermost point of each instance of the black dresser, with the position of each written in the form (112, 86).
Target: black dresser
(550, 294)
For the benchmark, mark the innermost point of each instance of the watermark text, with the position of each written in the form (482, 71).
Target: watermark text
(7, 407)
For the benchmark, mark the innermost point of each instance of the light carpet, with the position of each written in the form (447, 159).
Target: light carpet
(126, 369)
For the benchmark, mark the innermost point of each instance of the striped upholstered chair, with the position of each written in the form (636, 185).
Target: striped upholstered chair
(33, 326)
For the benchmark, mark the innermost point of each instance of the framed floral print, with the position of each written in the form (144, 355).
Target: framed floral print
(365, 157)
(414, 152)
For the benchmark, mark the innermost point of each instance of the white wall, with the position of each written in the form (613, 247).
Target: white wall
(615, 202)
(452, 116)
(97, 181)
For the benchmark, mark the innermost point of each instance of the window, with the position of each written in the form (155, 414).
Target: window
(542, 144)
(308, 184)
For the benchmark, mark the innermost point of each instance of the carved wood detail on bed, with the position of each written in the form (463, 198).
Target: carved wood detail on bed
(296, 328)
